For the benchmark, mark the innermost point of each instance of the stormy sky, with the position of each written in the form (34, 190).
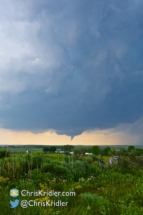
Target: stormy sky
(71, 66)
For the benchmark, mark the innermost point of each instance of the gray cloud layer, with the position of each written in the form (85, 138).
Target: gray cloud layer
(70, 65)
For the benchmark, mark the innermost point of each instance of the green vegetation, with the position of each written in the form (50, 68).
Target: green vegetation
(101, 188)
(4, 153)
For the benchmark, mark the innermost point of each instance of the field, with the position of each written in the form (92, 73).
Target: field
(90, 184)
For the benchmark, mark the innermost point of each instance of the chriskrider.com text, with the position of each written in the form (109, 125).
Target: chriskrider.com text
(46, 193)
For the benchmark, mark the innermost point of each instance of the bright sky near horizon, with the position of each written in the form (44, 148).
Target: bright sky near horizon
(48, 138)
(118, 136)
(71, 67)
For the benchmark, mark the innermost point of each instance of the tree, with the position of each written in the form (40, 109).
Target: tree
(79, 151)
(131, 148)
(46, 149)
(95, 150)
(122, 151)
(106, 151)
(4, 153)
(52, 149)
(67, 148)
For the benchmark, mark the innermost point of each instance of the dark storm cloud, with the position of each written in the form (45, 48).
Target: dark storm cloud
(71, 66)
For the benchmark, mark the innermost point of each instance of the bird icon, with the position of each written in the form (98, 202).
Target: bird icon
(14, 204)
